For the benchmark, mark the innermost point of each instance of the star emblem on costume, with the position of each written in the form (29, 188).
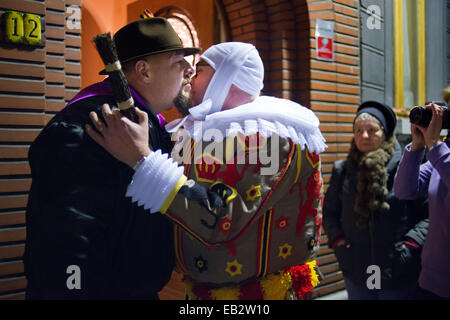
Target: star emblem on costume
(285, 251)
(253, 193)
(225, 225)
(282, 223)
(201, 264)
(234, 268)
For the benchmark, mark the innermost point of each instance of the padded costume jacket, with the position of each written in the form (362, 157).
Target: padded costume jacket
(247, 225)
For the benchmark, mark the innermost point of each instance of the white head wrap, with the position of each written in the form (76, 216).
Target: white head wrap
(235, 63)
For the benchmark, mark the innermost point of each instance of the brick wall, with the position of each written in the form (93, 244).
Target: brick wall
(284, 33)
(334, 97)
(34, 85)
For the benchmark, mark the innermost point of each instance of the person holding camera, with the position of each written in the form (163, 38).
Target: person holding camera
(414, 179)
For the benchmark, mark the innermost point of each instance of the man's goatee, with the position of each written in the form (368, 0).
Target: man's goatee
(182, 103)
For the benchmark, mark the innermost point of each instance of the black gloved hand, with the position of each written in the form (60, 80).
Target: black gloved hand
(404, 252)
(406, 264)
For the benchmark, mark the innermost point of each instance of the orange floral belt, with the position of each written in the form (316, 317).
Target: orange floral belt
(300, 279)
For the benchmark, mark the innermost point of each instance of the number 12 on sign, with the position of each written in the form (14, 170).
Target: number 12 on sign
(23, 28)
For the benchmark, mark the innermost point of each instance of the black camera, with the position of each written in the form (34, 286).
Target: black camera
(422, 116)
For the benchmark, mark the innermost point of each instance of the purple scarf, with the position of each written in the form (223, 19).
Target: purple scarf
(104, 89)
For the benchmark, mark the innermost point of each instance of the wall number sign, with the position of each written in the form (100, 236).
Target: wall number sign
(32, 28)
(23, 28)
(14, 26)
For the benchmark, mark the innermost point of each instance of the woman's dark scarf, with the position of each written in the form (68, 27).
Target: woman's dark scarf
(372, 180)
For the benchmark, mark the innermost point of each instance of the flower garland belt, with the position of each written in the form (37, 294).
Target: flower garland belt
(301, 279)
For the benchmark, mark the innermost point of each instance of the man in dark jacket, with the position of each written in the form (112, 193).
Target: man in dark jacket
(85, 239)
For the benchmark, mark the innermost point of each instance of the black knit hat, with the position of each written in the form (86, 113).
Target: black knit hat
(382, 112)
(146, 37)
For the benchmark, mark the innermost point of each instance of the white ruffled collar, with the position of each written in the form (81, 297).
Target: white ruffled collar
(265, 115)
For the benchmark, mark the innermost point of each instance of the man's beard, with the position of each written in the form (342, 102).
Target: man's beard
(182, 102)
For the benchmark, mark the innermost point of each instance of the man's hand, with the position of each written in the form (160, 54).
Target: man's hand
(431, 135)
(125, 140)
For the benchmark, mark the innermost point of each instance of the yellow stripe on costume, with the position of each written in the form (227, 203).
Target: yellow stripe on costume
(265, 230)
(299, 162)
(313, 162)
(172, 194)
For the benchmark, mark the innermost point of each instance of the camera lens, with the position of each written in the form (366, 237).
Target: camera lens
(420, 116)
(415, 115)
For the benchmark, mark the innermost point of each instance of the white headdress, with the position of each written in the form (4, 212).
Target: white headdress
(235, 63)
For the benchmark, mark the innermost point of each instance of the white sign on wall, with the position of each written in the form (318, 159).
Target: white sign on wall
(325, 40)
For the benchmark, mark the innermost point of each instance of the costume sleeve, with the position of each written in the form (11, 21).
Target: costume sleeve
(332, 205)
(66, 222)
(412, 178)
(224, 198)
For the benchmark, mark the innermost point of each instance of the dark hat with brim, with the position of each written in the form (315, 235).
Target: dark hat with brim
(147, 37)
(382, 112)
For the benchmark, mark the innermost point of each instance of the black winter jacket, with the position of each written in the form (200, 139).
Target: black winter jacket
(78, 215)
(379, 245)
